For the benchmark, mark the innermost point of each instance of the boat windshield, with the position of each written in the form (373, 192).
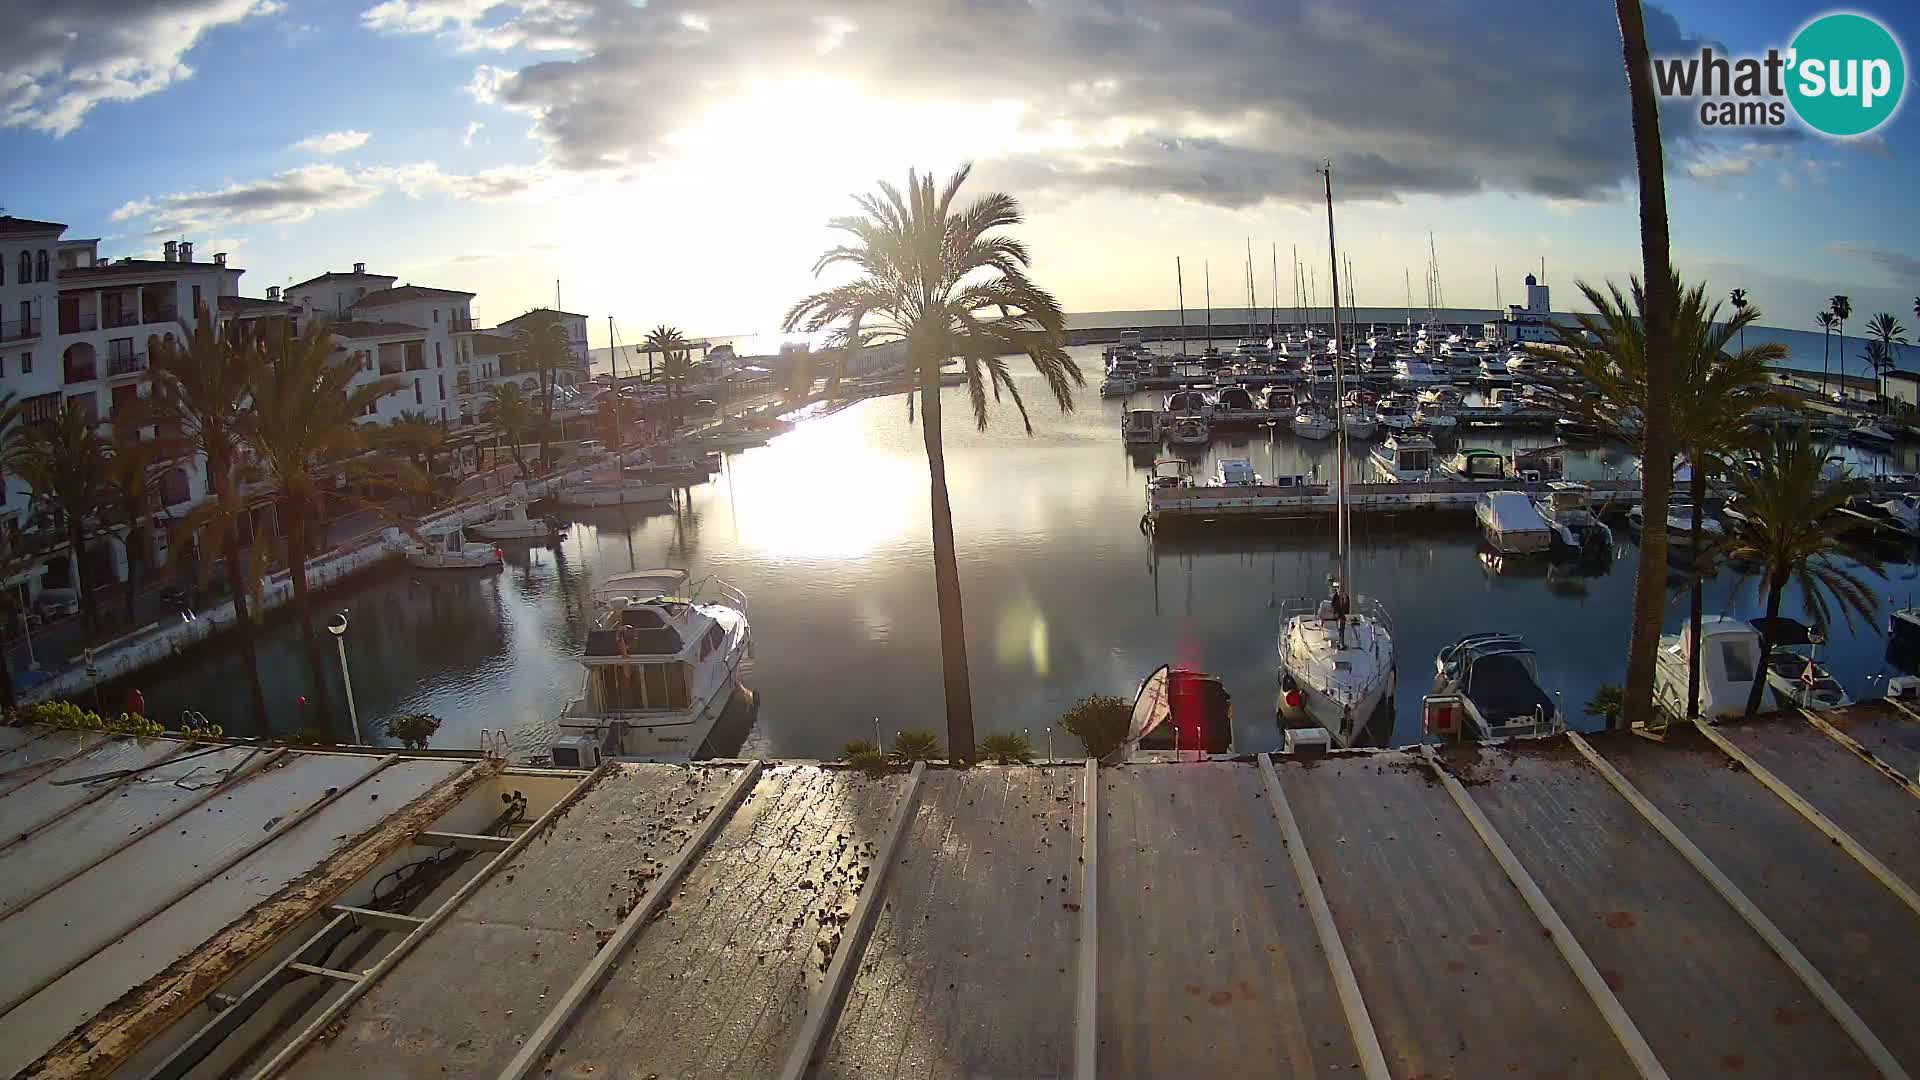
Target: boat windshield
(617, 688)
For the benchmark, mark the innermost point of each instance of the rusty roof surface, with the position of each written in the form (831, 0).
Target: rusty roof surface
(1607, 905)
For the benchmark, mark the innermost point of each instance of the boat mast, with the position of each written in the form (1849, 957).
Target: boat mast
(1206, 268)
(1180, 286)
(1299, 320)
(1253, 310)
(1273, 305)
(1339, 387)
(1406, 275)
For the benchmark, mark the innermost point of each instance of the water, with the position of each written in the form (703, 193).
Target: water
(826, 529)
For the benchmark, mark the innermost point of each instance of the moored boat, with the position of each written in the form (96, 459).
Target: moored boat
(1404, 457)
(511, 522)
(1140, 426)
(450, 549)
(1511, 523)
(1495, 681)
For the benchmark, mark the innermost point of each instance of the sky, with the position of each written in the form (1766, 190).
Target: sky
(677, 162)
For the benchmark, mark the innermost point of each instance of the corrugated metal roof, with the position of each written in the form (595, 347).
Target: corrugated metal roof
(1606, 906)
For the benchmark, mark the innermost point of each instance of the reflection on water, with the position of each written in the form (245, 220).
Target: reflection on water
(826, 530)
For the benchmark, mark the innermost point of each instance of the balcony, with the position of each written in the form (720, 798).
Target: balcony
(19, 329)
(116, 319)
(459, 325)
(41, 409)
(78, 322)
(126, 364)
(163, 315)
(79, 371)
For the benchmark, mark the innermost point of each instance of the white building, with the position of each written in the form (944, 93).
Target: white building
(421, 335)
(1534, 322)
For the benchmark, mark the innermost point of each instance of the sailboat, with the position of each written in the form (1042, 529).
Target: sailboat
(1336, 656)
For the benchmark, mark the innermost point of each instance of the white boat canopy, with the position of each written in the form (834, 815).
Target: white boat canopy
(638, 585)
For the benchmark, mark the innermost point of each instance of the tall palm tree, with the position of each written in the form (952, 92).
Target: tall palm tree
(513, 414)
(202, 395)
(64, 461)
(941, 279)
(1887, 333)
(133, 469)
(542, 345)
(1738, 298)
(1649, 590)
(673, 348)
(1827, 322)
(1842, 309)
(305, 414)
(1794, 536)
(420, 437)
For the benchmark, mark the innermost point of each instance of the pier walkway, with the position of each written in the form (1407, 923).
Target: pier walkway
(1734, 900)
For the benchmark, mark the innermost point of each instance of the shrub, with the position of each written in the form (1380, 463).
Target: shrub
(66, 714)
(1101, 721)
(413, 729)
(870, 759)
(1007, 747)
(1606, 703)
(911, 746)
(856, 748)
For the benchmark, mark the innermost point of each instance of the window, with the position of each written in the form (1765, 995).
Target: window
(41, 266)
(26, 363)
(1736, 659)
(436, 354)
(417, 399)
(196, 301)
(436, 315)
(442, 381)
(25, 272)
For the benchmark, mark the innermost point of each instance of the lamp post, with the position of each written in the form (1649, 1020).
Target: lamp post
(337, 626)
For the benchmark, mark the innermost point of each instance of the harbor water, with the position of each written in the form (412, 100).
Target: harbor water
(826, 531)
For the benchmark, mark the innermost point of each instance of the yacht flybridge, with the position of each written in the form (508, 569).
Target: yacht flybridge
(1337, 669)
(662, 666)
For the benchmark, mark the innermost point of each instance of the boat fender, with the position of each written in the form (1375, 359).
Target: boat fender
(1146, 525)
(1293, 698)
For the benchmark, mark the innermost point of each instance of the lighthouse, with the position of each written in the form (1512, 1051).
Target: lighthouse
(1537, 296)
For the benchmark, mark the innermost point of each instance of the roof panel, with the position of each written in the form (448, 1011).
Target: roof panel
(1850, 927)
(1459, 977)
(59, 790)
(1701, 986)
(26, 763)
(971, 966)
(523, 936)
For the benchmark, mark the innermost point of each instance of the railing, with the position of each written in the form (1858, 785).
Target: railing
(79, 322)
(457, 324)
(165, 314)
(41, 409)
(116, 319)
(18, 329)
(126, 364)
(82, 372)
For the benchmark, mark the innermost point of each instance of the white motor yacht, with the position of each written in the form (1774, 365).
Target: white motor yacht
(614, 492)
(1189, 403)
(451, 550)
(1439, 419)
(511, 522)
(1476, 464)
(1310, 421)
(1117, 384)
(1679, 522)
(1568, 509)
(1904, 509)
(1511, 523)
(1405, 457)
(1729, 664)
(1869, 433)
(1419, 371)
(1394, 413)
(1359, 422)
(1495, 681)
(1234, 472)
(1189, 431)
(662, 666)
(1140, 426)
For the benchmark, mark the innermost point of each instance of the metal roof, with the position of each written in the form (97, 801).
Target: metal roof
(1728, 900)
(1598, 906)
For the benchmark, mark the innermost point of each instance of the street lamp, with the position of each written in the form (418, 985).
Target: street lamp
(337, 626)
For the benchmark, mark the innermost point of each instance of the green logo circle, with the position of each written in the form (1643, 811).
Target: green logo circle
(1846, 76)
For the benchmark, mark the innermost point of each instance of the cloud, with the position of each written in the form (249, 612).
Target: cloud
(1226, 102)
(334, 142)
(59, 60)
(298, 194)
(1903, 269)
(473, 128)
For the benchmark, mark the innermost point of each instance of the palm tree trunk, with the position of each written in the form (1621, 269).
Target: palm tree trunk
(134, 535)
(76, 539)
(546, 424)
(1698, 490)
(296, 521)
(1826, 355)
(1649, 590)
(1775, 586)
(237, 585)
(946, 574)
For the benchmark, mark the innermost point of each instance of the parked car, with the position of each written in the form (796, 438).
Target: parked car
(56, 603)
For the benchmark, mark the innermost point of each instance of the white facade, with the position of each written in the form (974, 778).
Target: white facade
(331, 294)
(29, 298)
(444, 320)
(1532, 323)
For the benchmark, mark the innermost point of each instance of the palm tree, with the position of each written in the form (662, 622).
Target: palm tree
(542, 345)
(64, 461)
(1793, 535)
(673, 348)
(1827, 322)
(941, 279)
(133, 469)
(1649, 591)
(201, 395)
(513, 415)
(1916, 307)
(1842, 309)
(1886, 332)
(305, 414)
(421, 438)
(1738, 298)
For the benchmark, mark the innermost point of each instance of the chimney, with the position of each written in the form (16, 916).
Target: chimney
(173, 248)
(273, 293)
(219, 258)
(359, 268)
(186, 251)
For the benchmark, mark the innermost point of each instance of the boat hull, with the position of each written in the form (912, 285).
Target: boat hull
(625, 495)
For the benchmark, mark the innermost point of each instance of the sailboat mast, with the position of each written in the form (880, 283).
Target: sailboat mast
(1206, 269)
(1180, 286)
(1252, 305)
(1273, 303)
(1406, 275)
(1339, 386)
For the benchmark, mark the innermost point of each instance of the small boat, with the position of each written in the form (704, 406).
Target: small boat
(1359, 422)
(1868, 433)
(1436, 418)
(1117, 384)
(1439, 395)
(736, 438)
(1395, 412)
(1729, 664)
(1189, 403)
(1905, 509)
(1170, 473)
(1679, 522)
(621, 492)
(1404, 457)
(1570, 429)
(1140, 426)
(1568, 510)
(668, 465)
(1480, 466)
(1234, 472)
(1495, 679)
(1794, 671)
(662, 665)
(1876, 522)
(1311, 421)
(1178, 710)
(1511, 523)
(1280, 400)
(1415, 371)
(1234, 399)
(451, 550)
(1189, 431)
(1336, 667)
(511, 522)
(1506, 399)
(1540, 463)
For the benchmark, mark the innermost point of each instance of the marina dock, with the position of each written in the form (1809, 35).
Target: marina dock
(1181, 506)
(1734, 899)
